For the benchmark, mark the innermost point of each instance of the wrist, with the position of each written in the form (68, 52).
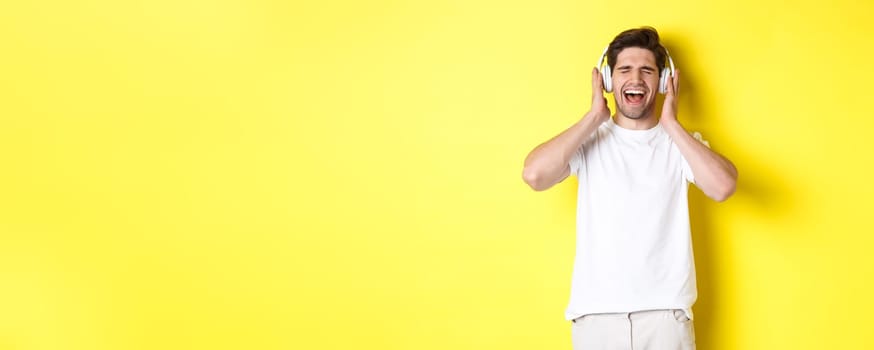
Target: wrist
(669, 121)
(672, 125)
(597, 117)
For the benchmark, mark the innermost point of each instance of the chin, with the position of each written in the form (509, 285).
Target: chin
(635, 114)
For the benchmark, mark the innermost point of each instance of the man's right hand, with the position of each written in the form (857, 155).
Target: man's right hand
(599, 109)
(549, 163)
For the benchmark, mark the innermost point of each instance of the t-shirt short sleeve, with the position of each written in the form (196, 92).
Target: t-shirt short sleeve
(577, 161)
(687, 170)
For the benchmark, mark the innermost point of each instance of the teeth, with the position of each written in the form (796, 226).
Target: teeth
(634, 92)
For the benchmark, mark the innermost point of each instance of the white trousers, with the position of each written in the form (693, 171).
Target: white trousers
(642, 330)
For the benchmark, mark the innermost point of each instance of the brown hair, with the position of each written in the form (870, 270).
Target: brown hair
(643, 37)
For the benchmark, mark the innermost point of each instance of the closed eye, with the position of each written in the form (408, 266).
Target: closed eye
(627, 69)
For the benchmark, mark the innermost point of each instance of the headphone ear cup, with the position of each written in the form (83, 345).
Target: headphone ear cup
(607, 78)
(663, 80)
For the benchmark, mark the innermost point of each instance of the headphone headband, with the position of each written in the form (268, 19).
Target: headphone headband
(670, 61)
(603, 57)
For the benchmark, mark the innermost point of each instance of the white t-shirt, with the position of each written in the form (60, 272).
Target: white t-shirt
(634, 246)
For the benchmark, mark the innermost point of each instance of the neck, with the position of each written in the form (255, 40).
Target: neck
(644, 123)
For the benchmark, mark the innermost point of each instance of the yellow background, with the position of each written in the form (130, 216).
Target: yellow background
(335, 174)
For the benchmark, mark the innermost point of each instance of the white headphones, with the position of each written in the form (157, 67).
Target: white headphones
(607, 77)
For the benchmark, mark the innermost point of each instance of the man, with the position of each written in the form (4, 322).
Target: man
(634, 274)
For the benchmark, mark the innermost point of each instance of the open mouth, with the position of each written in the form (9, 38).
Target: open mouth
(634, 96)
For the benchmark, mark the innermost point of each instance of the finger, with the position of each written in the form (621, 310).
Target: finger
(597, 85)
(676, 81)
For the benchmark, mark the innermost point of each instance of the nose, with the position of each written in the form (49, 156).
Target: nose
(636, 76)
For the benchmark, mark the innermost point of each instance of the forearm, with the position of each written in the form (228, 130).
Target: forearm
(714, 174)
(547, 163)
